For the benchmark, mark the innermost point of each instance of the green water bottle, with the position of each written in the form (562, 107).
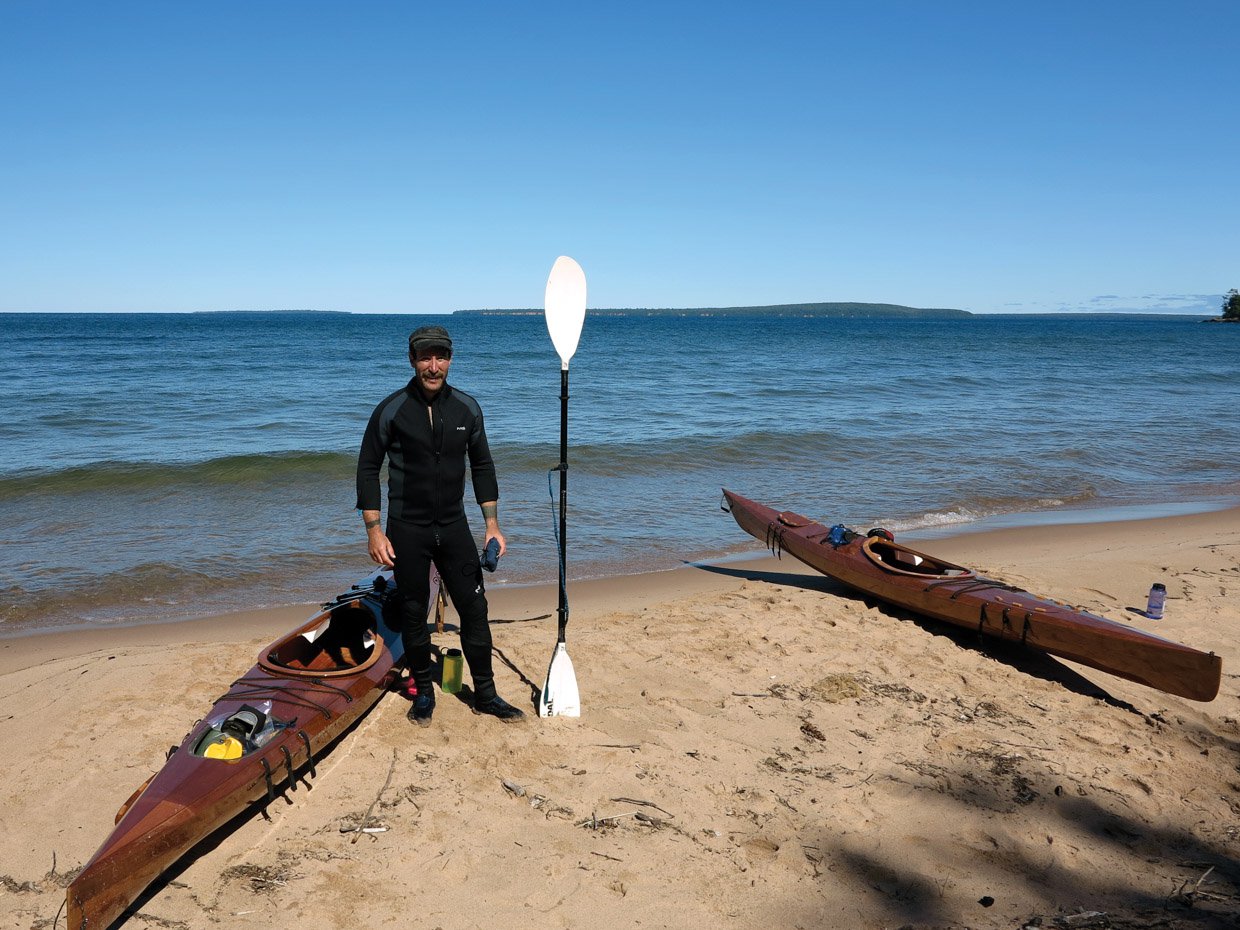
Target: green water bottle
(453, 671)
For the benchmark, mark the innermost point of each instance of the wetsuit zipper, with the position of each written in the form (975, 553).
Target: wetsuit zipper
(438, 447)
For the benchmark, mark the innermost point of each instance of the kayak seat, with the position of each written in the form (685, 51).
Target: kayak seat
(345, 643)
(897, 558)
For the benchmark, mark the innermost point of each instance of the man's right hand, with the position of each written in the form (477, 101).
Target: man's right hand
(380, 547)
(377, 543)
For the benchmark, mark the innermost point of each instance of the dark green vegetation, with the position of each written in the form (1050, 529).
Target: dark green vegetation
(893, 311)
(1231, 306)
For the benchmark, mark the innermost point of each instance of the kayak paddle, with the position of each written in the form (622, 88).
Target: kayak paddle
(565, 306)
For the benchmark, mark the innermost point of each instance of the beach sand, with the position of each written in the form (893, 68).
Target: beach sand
(758, 748)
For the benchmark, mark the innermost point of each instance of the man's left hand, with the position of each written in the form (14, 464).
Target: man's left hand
(496, 534)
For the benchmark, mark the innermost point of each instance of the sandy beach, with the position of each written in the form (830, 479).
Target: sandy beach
(758, 748)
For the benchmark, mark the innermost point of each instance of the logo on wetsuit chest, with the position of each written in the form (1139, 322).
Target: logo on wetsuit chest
(460, 429)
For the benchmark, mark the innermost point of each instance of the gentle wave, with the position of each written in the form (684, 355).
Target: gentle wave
(168, 591)
(975, 511)
(233, 470)
(648, 456)
(683, 453)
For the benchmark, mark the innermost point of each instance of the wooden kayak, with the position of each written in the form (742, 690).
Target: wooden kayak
(934, 588)
(306, 689)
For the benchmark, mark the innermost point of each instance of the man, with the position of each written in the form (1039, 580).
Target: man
(426, 430)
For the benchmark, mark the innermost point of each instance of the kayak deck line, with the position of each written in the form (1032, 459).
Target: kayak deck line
(941, 590)
(975, 584)
(292, 692)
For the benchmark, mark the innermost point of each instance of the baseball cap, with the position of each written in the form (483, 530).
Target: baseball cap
(430, 337)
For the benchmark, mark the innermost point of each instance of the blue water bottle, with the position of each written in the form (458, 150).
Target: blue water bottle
(1158, 597)
(490, 555)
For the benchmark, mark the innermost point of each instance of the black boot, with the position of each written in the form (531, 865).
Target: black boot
(496, 706)
(422, 708)
(424, 701)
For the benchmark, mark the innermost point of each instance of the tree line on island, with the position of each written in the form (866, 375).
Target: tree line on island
(1230, 309)
(893, 311)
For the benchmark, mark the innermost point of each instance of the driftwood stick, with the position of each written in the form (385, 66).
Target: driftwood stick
(643, 804)
(361, 827)
(1186, 896)
(519, 619)
(594, 821)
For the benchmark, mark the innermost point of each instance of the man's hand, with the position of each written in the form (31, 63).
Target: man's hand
(380, 548)
(490, 513)
(495, 534)
(377, 543)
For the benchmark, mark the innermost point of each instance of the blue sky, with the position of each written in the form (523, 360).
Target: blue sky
(407, 157)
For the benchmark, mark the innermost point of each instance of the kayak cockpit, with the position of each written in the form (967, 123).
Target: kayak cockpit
(339, 641)
(893, 557)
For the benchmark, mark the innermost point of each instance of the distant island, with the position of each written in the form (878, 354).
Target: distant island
(273, 312)
(892, 311)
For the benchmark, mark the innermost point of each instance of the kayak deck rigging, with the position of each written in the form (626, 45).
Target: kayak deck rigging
(292, 692)
(975, 583)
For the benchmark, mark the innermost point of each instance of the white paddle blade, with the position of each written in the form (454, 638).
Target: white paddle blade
(560, 697)
(565, 306)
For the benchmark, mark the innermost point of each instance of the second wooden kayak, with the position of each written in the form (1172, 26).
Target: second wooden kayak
(956, 594)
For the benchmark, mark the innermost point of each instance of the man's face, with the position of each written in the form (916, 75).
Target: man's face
(431, 367)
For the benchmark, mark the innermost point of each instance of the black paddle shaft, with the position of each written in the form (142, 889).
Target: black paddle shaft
(563, 501)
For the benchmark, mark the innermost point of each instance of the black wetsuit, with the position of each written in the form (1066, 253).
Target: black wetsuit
(426, 444)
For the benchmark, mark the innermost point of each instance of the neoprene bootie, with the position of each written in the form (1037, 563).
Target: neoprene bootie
(498, 707)
(422, 709)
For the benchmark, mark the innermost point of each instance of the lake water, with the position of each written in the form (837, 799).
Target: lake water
(158, 466)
